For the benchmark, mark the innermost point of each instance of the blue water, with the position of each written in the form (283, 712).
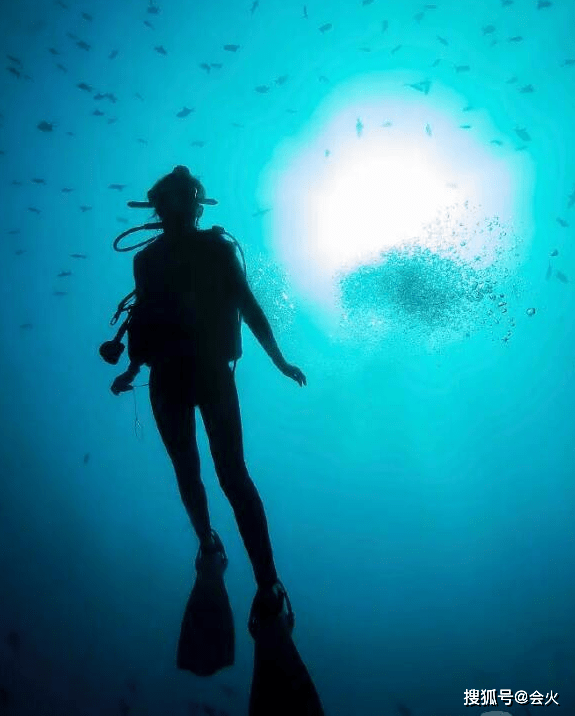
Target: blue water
(419, 490)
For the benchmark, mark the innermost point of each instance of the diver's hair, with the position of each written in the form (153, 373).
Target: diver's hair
(180, 178)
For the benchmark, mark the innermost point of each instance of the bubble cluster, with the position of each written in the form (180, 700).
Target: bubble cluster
(435, 291)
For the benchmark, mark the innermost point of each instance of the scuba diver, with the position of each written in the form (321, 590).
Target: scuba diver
(191, 294)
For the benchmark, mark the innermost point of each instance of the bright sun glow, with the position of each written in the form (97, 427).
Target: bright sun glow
(374, 169)
(374, 197)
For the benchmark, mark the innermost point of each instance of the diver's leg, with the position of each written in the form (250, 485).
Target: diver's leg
(173, 411)
(220, 410)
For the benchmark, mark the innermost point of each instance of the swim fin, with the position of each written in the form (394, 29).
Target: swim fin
(207, 637)
(281, 684)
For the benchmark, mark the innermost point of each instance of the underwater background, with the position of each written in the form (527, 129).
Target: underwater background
(401, 177)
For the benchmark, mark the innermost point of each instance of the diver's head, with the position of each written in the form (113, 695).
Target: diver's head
(178, 199)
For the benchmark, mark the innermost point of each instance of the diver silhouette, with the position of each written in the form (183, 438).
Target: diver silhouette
(191, 291)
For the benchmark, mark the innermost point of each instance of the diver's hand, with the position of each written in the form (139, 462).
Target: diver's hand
(293, 372)
(122, 383)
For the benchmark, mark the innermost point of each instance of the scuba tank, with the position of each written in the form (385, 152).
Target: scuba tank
(111, 351)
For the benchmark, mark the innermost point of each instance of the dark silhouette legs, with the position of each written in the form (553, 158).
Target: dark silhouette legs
(176, 387)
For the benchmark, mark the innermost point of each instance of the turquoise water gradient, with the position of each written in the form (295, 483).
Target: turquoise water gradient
(419, 490)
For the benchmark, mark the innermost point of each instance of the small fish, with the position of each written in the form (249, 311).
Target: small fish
(83, 45)
(78, 256)
(121, 220)
(15, 182)
(52, 51)
(198, 143)
(324, 79)
(34, 210)
(543, 3)
(71, 36)
(488, 29)
(464, 126)
(437, 61)
(403, 710)
(442, 40)
(118, 187)
(326, 27)
(563, 223)
(384, 25)
(137, 95)
(83, 209)
(568, 63)
(62, 4)
(254, 6)
(327, 153)
(365, 49)
(281, 80)
(527, 89)
(498, 142)
(59, 293)
(39, 181)
(548, 273)
(431, 7)
(231, 48)
(205, 66)
(87, 17)
(153, 9)
(423, 86)
(562, 277)
(238, 125)
(160, 50)
(147, 23)
(516, 38)
(462, 68)
(216, 65)
(143, 141)
(305, 12)
(61, 67)
(387, 124)
(19, 252)
(419, 17)
(15, 60)
(124, 707)
(260, 212)
(511, 80)
(396, 49)
(132, 685)
(13, 232)
(113, 54)
(359, 127)
(555, 252)
(522, 134)
(428, 130)
(262, 89)
(66, 190)
(26, 326)
(62, 274)
(366, 2)
(185, 111)
(291, 111)
(84, 86)
(571, 199)
(506, 3)
(14, 72)
(521, 149)
(468, 108)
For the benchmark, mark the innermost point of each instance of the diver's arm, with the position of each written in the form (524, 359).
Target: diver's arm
(259, 325)
(134, 367)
